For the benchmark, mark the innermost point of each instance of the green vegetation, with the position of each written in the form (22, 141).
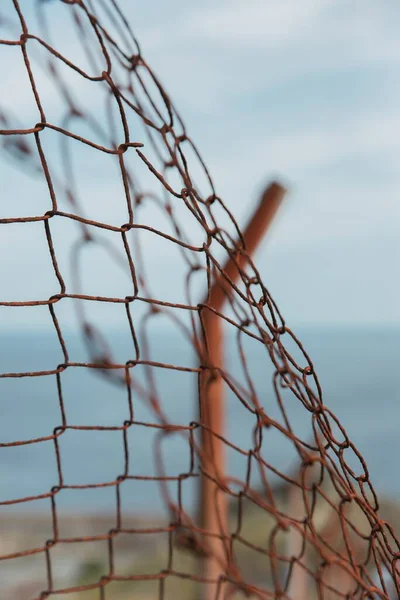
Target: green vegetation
(257, 527)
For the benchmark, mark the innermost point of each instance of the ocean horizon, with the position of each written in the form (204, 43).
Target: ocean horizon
(357, 367)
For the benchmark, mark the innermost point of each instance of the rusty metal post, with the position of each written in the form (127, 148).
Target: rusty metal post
(300, 584)
(213, 501)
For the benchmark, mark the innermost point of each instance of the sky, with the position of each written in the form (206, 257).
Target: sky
(305, 92)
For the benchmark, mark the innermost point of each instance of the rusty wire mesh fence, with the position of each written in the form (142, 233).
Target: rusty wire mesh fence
(318, 528)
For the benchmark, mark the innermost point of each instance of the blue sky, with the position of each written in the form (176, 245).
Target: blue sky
(303, 91)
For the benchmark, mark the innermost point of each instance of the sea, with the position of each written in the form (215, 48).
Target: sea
(357, 367)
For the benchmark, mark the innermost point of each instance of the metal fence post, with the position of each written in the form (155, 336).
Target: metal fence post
(213, 501)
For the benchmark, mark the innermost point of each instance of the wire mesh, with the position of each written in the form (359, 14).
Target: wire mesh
(318, 527)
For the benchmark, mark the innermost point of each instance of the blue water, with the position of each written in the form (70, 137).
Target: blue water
(358, 370)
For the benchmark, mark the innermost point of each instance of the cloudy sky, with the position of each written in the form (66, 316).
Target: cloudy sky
(303, 91)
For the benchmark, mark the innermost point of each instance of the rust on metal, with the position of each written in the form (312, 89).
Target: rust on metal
(124, 115)
(214, 509)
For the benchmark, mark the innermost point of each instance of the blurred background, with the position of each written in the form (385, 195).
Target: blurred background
(303, 91)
